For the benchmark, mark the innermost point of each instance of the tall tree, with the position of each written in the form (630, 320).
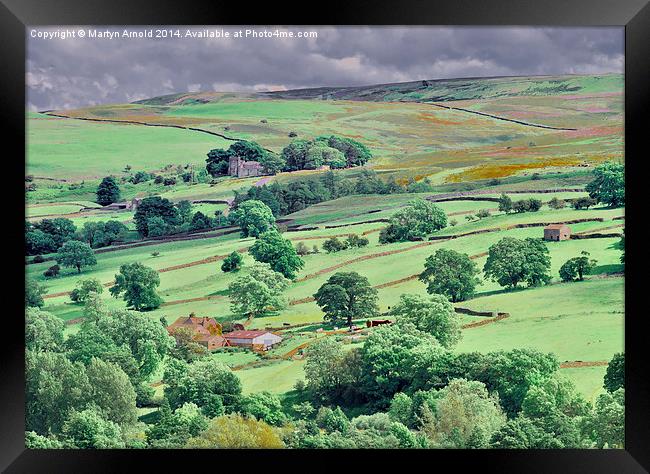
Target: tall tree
(615, 374)
(112, 391)
(415, 221)
(108, 191)
(201, 382)
(433, 314)
(138, 284)
(76, 254)
(346, 295)
(608, 185)
(34, 294)
(466, 416)
(450, 273)
(254, 218)
(88, 429)
(155, 207)
(258, 292)
(278, 252)
(54, 386)
(512, 261)
(43, 331)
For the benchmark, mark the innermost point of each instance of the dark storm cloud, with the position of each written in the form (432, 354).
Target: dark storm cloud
(75, 72)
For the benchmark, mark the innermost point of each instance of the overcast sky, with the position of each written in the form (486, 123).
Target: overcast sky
(76, 72)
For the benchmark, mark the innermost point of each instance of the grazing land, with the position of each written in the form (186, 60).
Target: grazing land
(473, 141)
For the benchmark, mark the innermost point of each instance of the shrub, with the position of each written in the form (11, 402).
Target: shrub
(356, 241)
(302, 249)
(292, 134)
(53, 271)
(583, 203)
(483, 213)
(232, 262)
(38, 259)
(333, 244)
(556, 203)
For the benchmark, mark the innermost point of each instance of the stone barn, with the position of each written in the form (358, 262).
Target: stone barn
(254, 339)
(557, 232)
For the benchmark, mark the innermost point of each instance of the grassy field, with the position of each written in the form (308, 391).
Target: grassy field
(583, 323)
(409, 137)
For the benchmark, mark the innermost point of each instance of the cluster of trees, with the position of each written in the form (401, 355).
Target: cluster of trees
(296, 195)
(302, 249)
(334, 244)
(505, 399)
(49, 235)
(218, 159)
(507, 205)
(406, 384)
(413, 222)
(260, 291)
(156, 216)
(82, 392)
(333, 151)
(103, 234)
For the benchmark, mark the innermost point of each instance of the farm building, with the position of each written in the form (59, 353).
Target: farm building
(206, 331)
(241, 169)
(557, 232)
(255, 339)
(123, 206)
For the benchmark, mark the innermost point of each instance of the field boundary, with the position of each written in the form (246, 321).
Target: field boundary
(528, 124)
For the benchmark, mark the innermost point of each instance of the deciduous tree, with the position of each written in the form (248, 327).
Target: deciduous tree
(347, 295)
(450, 273)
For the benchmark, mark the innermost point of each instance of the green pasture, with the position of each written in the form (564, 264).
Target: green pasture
(275, 377)
(76, 150)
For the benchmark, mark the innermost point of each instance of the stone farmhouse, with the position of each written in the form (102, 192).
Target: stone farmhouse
(206, 331)
(239, 168)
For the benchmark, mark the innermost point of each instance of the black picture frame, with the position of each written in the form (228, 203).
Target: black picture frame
(15, 15)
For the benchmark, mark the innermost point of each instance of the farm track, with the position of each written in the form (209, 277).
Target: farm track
(528, 124)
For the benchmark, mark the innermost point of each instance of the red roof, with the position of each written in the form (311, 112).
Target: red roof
(203, 327)
(252, 334)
